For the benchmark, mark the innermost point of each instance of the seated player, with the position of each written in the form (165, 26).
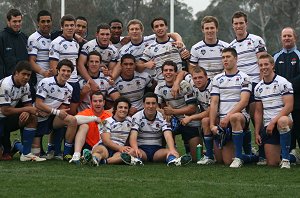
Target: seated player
(274, 104)
(146, 136)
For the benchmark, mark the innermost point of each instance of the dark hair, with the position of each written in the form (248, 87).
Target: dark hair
(239, 14)
(97, 93)
(171, 63)
(115, 21)
(159, 19)
(81, 18)
(231, 50)
(65, 62)
(117, 101)
(13, 13)
(150, 95)
(22, 65)
(103, 26)
(43, 13)
(199, 70)
(67, 17)
(95, 53)
(129, 56)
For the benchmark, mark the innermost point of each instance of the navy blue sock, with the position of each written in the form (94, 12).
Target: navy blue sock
(57, 139)
(67, 148)
(208, 141)
(19, 146)
(50, 147)
(247, 142)
(237, 138)
(28, 135)
(261, 151)
(285, 143)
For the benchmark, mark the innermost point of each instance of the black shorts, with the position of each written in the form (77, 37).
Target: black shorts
(274, 138)
(188, 132)
(76, 92)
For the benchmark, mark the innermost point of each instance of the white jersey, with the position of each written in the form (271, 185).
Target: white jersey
(150, 132)
(208, 56)
(134, 88)
(229, 89)
(247, 50)
(161, 52)
(53, 94)
(108, 54)
(136, 49)
(270, 94)
(184, 98)
(203, 96)
(11, 94)
(119, 131)
(38, 46)
(105, 88)
(61, 48)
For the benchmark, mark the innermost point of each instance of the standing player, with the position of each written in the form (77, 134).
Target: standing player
(207, 53)
(183, 104)
(116, 27)
(287, 65)
(229, 97)
(274, 95)
(93, 68)
(149, 128)
(53, 98)
(249, 47)
(132, 84)
(66, 47)
(15, 89)
(107, 51)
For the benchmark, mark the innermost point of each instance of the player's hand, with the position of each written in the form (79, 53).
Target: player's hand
(43, 114)
(132, 111)
(125, 149)
(94, 87)
(32, 110)
(257, 139)
(185, 54)
(63, 113)
(224, 122)
(105, 70)
(270, 128)
(24, 117)
(173, 152)
(125, 40)
(178, 44)
(47, 73)
(87, 87)
(214, 129)
(175, 90)
(137, 153)
(186, 120)
(79, 39)
(150, 64)
(168, 110)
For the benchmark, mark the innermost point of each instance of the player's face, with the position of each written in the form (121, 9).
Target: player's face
(116, 30)
(64, 74)
(160, 28)
(128, 67)
(239, 26)
(45, 24)
(169, 73)
(81, 28)
(97, 103)
(200, 80)
(68, 29)
(103, 37)
(210, 31)
(266, 68)
(22, 77)
(15, 23)
(150, 106)
(122, 110)
(229, 61)
(93, 64)
(135, 32)
(288, 38)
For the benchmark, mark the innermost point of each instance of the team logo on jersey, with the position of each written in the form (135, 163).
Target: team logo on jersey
(245, 83)
(138, 83)
(157, 125)
(203, 51)
(294, 61)
(142, 124)
(52, 90)
(40, 90)
(121, 87)
(51, 52)
(44, 43)
(221, 81)
(128, 125)
(285, 88)
(29, 48)
(274, 88)
(65, 46)
(260, 90)
(66, 93)
(155, 49)
(237, 81)
(165, 92)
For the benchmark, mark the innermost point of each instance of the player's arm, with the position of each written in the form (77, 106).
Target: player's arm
(115, 95)
(105, 136)
(188, 109)
(288, 103)
(111, 65)
(191, 67)
(258, 119)
(133, 142)
(53, 64)
(170, 142)
(176, 86)
(142, 65)
(244, 100)
(10, 110)
(213, 112)
(195, 117)
(37, 69)
(116, 71)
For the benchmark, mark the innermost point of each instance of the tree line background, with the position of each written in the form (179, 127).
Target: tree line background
(265, 17)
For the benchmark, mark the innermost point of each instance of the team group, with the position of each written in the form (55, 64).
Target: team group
(117, 99)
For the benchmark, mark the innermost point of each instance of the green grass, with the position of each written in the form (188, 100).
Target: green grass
(58, 178)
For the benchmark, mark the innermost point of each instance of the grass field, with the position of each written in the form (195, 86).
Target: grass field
(58, 178)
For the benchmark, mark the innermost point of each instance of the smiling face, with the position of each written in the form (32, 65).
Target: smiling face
(160, 28)
(266, 68)
(135, 32)
(240, 27)
(288, 38)
(210, 31)
(63, 74)
(45, 24)
(97, 103)
(15, 23)
(169, 74)
(93, 65)
(150, 106)
(122, 110)
(68, 29)
(116, 30)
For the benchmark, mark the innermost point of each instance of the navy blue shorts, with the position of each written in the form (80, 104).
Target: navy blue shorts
(76, 92)
(251, 99)
(45, 127)
(188, 132)
(270, 139)
(150, 150)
